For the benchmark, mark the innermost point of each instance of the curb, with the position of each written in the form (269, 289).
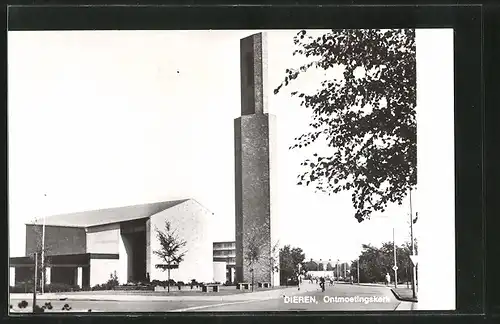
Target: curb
(407, 299)
(256, 296)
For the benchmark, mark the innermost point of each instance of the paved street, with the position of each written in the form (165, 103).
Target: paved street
(309, 298)
(319, 304)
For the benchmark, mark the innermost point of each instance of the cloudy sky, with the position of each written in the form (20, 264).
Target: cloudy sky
(101, 119)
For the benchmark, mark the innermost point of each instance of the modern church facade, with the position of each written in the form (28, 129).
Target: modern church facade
(85, 248)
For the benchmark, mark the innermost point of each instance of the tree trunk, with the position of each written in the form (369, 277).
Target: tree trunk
(168, 282)
(252, 279)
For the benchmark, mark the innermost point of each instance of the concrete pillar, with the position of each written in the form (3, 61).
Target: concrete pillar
(48, 272)
(12, 276)
(79, 276)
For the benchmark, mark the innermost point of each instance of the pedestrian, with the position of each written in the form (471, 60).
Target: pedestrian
(322, 283)
(387, 279)
(352, 279)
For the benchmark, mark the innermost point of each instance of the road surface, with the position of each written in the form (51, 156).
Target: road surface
(364, 298)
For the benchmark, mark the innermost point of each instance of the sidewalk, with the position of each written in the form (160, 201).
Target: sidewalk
(404, 294)
(406, 306)
(259, 295)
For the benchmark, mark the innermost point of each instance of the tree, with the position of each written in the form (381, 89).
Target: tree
(253, 253)
(367, 118)
(321, 267)
(40, 245)
(274, 260)
(376, 262)
(329, 267)
(171, 249)
(290, 259)
(258, 252)
(311, 266)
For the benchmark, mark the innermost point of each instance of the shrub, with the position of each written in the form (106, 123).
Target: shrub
(66, 307)
(164, 283)
(61, 287)
(22, 287)
(109, 285)
(23, 304)
(89, 310)
(38, 309)
(181, 283)
(10, 306)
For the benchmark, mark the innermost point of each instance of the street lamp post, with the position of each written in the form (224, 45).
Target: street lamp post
(43, 252)
(414, 272)
(358, 270)
(395, 261)
(43, 255)
(338, 271)
(35, 281)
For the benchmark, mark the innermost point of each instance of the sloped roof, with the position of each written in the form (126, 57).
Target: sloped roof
(109, 215)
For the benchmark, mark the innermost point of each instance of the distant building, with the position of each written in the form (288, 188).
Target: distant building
(85, 248)
(226, 252)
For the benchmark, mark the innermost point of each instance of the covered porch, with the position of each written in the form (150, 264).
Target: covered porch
(71, 269)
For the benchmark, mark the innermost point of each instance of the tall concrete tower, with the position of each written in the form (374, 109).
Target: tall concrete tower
(255, 171)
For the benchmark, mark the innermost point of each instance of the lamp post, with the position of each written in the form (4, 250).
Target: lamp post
(414, 272)
(43, 252)
(338, 271)
(35, 281)
(43, 256)
(395, 261)
(358, 270)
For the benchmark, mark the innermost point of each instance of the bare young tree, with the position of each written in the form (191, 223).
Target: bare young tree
(42, 250)
(274, 260)
(252, 256)
(171, 249)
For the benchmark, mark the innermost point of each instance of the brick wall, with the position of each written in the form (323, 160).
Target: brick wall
(58, 239)
(253, 194)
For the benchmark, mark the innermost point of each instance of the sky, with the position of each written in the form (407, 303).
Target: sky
(101, 119)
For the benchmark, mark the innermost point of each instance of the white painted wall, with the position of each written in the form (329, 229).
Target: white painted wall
(193, 223)
(12, 276)
(103, 239)
(219, 272)
(101, 269)
(122, 270)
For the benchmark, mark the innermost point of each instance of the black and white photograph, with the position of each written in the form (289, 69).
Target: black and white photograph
(231, 171)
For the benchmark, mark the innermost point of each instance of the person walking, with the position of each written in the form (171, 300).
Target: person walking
(387, 279)
(322, 283)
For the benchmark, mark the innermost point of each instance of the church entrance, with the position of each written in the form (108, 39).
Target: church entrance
(134, 239)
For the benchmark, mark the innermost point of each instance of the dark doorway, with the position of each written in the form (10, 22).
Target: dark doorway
(64, 275)
(24, 274)
(134, 238)
(138, 256)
